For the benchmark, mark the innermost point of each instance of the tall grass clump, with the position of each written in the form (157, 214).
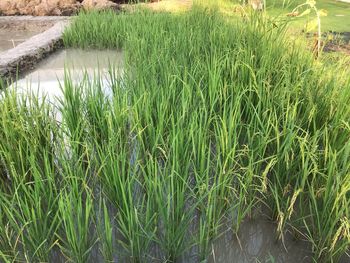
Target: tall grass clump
(28, 189)
(211, 121)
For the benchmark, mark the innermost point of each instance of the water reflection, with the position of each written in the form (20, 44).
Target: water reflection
(46, 79)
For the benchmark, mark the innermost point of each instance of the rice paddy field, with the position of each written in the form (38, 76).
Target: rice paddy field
(214, 121)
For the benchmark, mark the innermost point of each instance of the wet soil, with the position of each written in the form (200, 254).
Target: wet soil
(340, 44)
(12, 38)
(16, 30)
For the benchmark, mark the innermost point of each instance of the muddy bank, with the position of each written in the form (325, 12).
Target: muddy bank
(10, 39)
(56, 7)
(339, 42)
(25, 55)
(16, 30)
(30, 23)
(39, 7)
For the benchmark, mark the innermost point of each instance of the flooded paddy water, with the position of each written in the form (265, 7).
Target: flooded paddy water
(48, 77)
(12, 38)
(257, 242)
(14, 31)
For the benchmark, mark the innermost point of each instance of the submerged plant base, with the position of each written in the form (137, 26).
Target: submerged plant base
(15, 30)
(257, 242)
(48, 77)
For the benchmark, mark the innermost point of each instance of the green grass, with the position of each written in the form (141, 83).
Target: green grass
(211, 121)
(337, 19)
(2, 84)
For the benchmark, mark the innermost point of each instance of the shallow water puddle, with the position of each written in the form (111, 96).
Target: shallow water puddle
(257, 242)
(12, 38)
(48, 76)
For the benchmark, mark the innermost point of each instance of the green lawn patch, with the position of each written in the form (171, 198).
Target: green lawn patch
(337, 19)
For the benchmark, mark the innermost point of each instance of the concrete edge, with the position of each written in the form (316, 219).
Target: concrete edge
(27, 54)
(21, 19)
